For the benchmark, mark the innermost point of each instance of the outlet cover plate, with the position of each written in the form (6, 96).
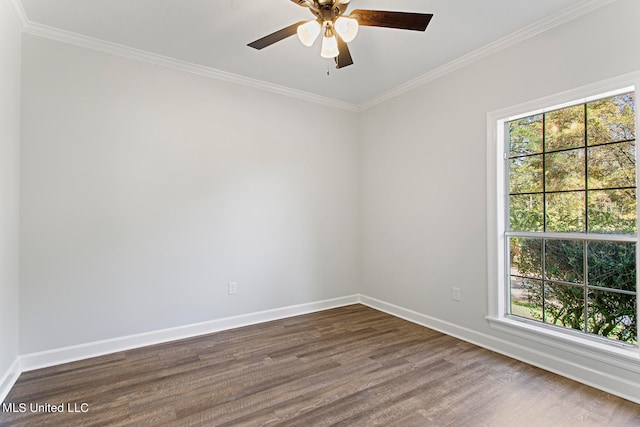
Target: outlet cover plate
(233, 288)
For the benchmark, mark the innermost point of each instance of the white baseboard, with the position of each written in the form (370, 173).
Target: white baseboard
(615, 385)
(31, 361)
(9, 379)
(618, 386)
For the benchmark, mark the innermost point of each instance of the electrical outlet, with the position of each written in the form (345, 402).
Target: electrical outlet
(455, 294)
(233, 288)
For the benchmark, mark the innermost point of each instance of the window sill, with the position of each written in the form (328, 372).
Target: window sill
(624, 357)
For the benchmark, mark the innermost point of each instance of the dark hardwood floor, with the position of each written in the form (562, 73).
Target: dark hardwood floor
(351, 366)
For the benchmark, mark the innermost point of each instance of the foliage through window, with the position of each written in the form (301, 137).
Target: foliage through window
(572, 228)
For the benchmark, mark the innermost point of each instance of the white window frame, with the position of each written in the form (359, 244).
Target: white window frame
(605, 351)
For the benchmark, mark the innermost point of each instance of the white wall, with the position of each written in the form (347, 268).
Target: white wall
(146, 190)
(10, 39)
(423, 170)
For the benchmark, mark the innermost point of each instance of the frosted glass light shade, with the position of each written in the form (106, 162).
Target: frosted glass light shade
(308, 32)
(347, 28)
(329, 47)
(344, 1)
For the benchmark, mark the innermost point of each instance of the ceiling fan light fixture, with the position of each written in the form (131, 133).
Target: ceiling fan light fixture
(347, 28)
(343, 1)
(308, 32)
(329, 43)
(329, 47)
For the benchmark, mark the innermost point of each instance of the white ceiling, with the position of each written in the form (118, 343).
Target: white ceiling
(215, 33)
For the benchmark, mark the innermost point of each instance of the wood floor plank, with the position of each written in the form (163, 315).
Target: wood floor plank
(351, 366)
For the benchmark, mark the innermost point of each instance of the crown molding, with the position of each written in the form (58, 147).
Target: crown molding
(18, 12)
(518, 36)
(524, 33)
(165, 61)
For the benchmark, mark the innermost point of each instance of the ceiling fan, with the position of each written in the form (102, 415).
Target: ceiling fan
(339, 29)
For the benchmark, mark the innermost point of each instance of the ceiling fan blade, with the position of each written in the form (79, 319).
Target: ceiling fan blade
(302, 3)
(400, 20)
(344, 57)
(276, 37)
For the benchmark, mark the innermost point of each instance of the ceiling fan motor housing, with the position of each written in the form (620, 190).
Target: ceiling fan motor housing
(328, 10)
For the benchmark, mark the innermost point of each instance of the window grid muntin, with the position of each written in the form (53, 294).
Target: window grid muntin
(586, 199)
(622, 141)
(560, 282)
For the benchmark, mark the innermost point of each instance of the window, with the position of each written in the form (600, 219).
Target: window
(571, 218)
(562, 220)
